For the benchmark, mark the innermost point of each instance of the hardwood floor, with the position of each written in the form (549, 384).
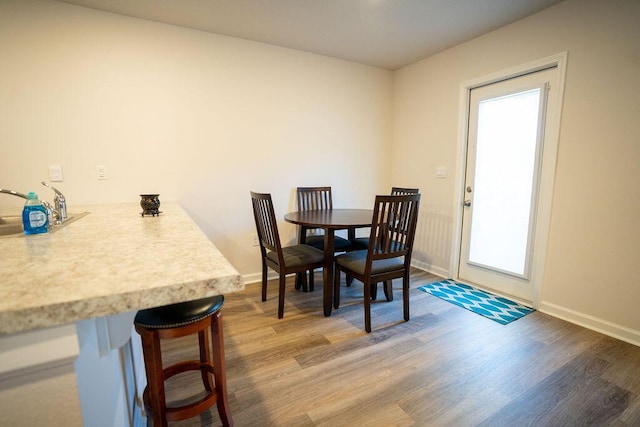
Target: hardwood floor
(445, 367)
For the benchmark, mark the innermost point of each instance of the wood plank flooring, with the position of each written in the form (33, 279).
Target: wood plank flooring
(445, 367)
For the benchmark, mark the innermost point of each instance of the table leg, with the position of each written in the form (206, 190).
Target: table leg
(327, 286)
(301, 278)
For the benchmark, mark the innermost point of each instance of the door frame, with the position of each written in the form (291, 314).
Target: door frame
(549, 159)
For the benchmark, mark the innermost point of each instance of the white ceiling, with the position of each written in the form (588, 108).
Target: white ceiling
(383, 33)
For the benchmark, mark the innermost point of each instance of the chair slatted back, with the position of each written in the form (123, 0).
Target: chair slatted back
(393, 227)
(399, 191)
(314, 198)
(266, 223)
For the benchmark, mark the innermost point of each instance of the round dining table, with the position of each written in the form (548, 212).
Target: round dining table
(330, 220)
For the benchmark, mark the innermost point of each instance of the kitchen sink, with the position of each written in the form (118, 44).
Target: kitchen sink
(11, 225)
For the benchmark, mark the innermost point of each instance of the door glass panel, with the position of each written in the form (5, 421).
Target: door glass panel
(504, 181)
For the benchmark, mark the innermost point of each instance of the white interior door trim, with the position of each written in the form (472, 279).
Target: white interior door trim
(549, 163)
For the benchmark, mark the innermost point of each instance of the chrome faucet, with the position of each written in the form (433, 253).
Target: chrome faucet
(59, 203)
(13, 193)
(47, 206)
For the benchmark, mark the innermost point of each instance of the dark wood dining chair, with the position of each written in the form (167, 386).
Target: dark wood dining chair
(397, 191)
(317, 198)
(388, 256)
(284, 260)
(362, 243)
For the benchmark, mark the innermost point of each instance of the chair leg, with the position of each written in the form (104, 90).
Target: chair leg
(281, 290)
(351, 235)
(405, 297)
(367, 307)
(205, 358)
(336, 287)
(264, 281)
(155, 378)
(311, 280)
(302, 278)
(220, 369)
(388, 290)
(374, 291)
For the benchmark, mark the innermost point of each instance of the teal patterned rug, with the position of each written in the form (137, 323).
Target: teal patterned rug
(499, 309)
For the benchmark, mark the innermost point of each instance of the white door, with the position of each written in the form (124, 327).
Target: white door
(506, 134)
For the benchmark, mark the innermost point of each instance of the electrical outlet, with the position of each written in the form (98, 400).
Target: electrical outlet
(254, 240)
(101, 172)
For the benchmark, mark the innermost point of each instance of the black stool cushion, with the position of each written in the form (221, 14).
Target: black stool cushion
(180, 314)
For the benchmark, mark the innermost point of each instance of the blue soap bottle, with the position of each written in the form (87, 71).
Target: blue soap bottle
(34, 215)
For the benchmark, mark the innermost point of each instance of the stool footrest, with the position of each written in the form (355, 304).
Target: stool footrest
(179, 413)
(188, 365)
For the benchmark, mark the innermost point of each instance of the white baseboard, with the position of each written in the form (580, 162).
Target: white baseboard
(590, 322)
(611, 329)
(438, 271)
(253, 278)
(257, 277)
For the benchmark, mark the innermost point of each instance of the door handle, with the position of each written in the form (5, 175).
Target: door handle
(467, 203)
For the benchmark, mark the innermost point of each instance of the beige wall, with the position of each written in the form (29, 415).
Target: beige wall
(202, 119)
(197, 117)
(593, 258)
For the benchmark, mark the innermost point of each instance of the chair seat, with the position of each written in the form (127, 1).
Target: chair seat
(180, 314)
(340, 243)
(360, 243)
(298, 255)
(356, 262)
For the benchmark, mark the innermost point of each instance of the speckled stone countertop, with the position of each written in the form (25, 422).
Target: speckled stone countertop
(112, 260)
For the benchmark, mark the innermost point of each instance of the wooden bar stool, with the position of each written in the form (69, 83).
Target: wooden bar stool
(178, 320)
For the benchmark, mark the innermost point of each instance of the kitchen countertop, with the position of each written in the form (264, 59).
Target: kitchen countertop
(112, 260)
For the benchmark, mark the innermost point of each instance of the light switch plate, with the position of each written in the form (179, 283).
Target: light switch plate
(55, 173)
